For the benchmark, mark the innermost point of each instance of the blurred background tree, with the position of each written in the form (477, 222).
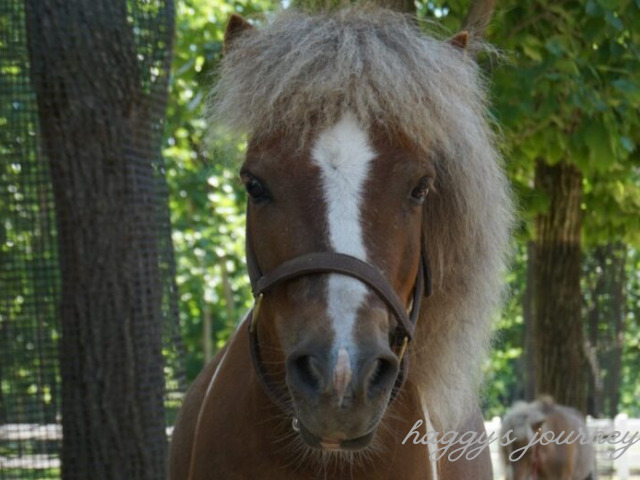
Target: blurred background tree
(207, 201)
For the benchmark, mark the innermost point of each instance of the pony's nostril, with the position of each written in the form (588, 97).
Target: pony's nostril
(383, 373)
(307, 372)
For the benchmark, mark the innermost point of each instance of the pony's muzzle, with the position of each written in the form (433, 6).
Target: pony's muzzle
(340, 398)
(313, 376)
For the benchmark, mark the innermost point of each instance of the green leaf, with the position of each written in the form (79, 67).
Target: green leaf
(630, 89)
(531, 46)
(614, 21)
(627, 144)
(555, 47)
(598, 141)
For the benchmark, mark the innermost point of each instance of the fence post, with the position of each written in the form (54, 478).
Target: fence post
(494, 426)
(621, 424)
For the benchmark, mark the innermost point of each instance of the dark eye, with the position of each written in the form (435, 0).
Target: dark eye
(420, 192)
(255, 189)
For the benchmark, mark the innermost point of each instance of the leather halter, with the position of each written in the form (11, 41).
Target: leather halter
(332, 262)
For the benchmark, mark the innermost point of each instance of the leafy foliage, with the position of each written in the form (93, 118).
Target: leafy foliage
(565, 88)
(207, 203)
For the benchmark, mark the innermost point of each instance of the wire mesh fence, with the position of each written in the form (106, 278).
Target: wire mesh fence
(50, 343)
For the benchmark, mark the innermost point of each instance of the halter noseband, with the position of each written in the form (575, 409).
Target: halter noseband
(332, 262)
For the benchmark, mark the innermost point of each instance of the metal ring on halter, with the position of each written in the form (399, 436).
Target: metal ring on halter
(295, 424)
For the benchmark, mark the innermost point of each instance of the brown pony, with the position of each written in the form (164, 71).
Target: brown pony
(377, 222)
(566, 459)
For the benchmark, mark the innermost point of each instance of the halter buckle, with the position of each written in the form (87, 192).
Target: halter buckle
(256, 312)
(403, 348)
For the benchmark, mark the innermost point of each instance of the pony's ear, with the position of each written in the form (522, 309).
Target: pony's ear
(235, 27)
(460, 40)
(536, 418)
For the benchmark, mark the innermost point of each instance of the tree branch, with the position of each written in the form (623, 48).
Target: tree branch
(479, 17)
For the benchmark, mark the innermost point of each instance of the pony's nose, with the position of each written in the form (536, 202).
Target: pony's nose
(379, 374)
(362, 379)
(307, 373)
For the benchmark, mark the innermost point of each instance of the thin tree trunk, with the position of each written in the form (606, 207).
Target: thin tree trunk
(528, 314)
(227, 291)
(558, 331)
(99, 130)
(3, 345)
(207, 332)
(618, 269)
(479, 16)
(594, 397)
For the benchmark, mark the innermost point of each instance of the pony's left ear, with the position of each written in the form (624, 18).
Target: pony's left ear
(236, 26)
(460, 40)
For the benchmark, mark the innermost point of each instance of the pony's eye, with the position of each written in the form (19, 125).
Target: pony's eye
(256, 189)
(420, 192)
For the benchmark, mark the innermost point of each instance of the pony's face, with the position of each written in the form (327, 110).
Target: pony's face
(353, 192)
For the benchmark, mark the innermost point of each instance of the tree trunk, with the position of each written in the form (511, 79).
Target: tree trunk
(558, 332)
(100, 112)
(4, 410)
(618, 281)
(227, 292)
(528, 317)
(594, 396)
(207, 332)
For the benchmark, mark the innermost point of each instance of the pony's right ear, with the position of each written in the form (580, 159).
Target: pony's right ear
(460, 40)
(236, 26)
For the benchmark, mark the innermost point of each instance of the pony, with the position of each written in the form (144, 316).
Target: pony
(569, 458)
(378, 220)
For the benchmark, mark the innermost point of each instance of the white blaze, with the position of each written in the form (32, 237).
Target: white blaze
(342, 374)
(344, 156)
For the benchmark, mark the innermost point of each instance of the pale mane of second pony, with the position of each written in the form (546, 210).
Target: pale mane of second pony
(300, 73)
(521, 419)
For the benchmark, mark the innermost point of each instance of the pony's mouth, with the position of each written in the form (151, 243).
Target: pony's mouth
(330, 444)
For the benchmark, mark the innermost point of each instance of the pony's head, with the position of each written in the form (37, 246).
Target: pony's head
(366, 138)
(353, 191)
(522, 425)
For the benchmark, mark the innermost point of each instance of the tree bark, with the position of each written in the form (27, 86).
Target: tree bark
(528, 317)
(594, 396)
(207, 332)
(478, 17)
(100, 117)
(3, 344)
(558, 331)
(227, 291)
(618, 281)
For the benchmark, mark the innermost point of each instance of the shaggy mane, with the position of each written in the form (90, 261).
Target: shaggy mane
(302, 72)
